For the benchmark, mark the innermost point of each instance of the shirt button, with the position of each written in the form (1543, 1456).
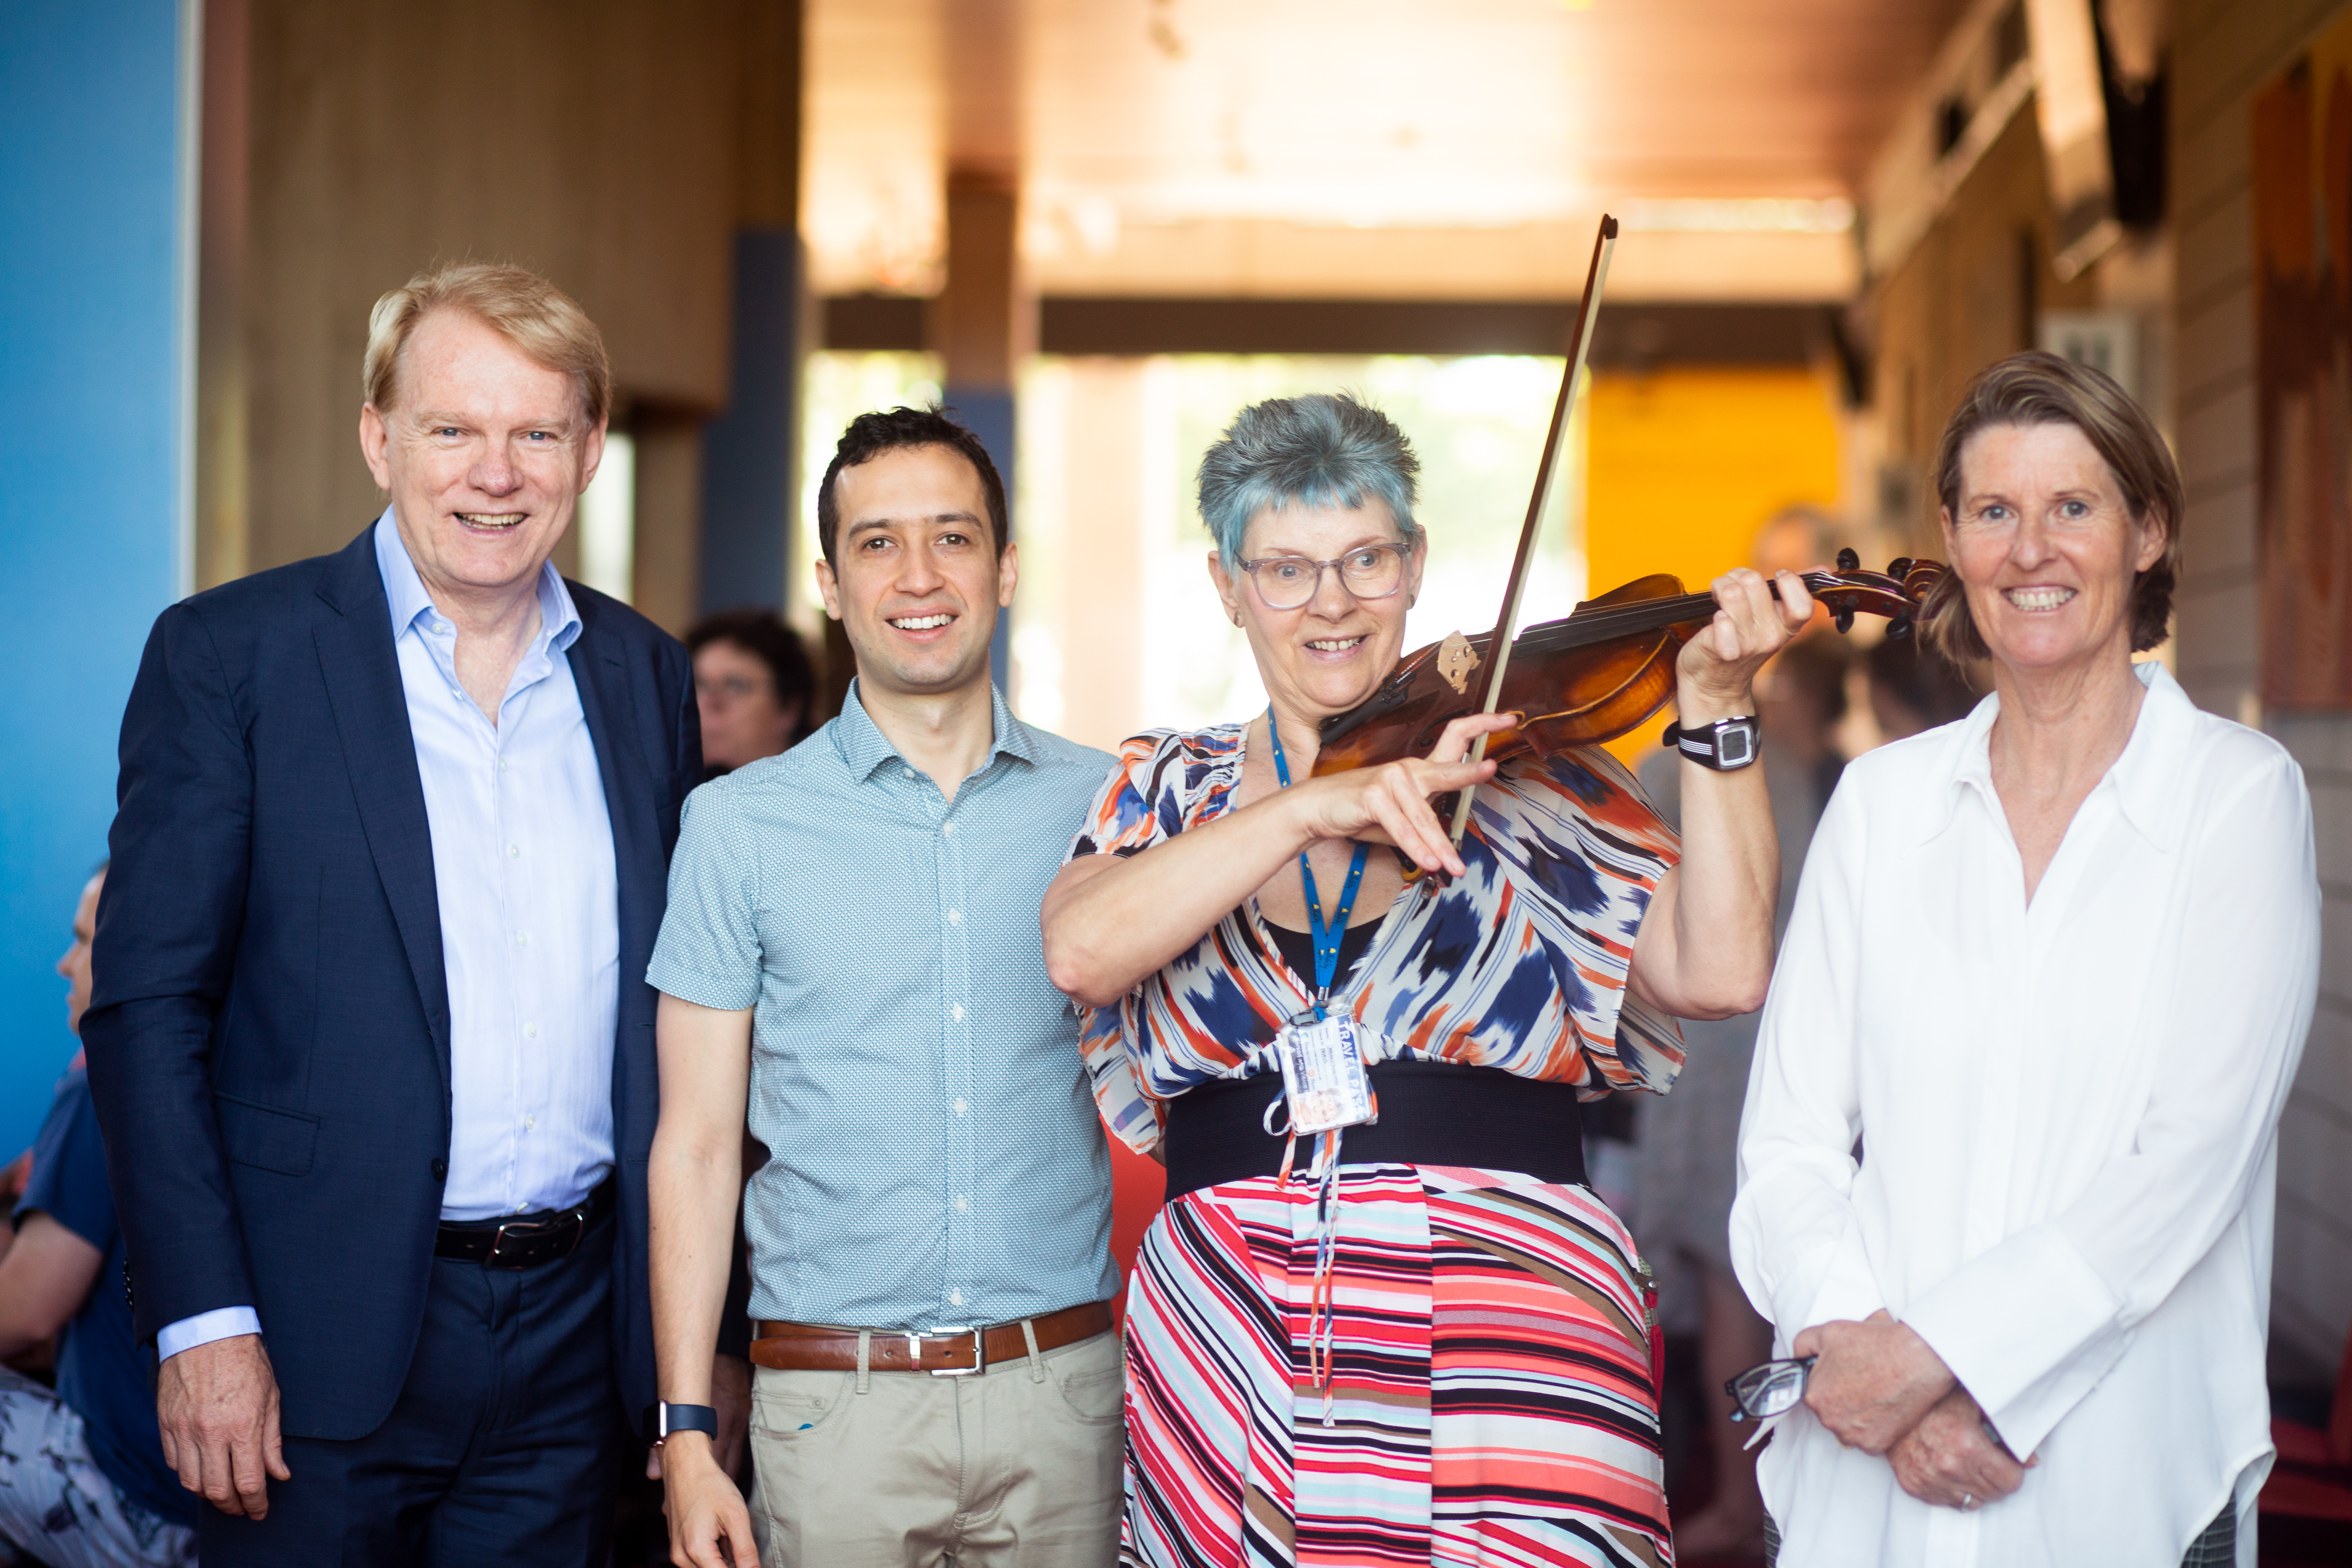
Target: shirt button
(956, 1012)
(910, 774)
(948, 828)
(530, 1031)
(530, 1123)
(955, 917)
(955, 1298)
(961, 1206)
(959, 1108)
(514, 851)
(502, 765)
(522, 939)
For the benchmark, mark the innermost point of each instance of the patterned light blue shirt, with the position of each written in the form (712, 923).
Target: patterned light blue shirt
(935, 1155)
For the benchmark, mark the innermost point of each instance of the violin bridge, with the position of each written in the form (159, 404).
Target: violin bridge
(1456, 659)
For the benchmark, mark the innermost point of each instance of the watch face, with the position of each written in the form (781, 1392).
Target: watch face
(1734, 744)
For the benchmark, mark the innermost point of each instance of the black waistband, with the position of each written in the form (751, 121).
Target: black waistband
(1432, 1113)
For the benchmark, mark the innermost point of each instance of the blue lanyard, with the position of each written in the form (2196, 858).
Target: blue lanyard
(1326, 937)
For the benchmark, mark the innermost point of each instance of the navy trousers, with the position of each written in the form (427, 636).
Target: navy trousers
(500, 1449)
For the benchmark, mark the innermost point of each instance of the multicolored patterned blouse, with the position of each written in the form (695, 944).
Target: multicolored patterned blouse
(1519, 966)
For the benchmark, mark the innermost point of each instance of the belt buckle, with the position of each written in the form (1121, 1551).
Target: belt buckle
(978, 1349)
(491, 1260)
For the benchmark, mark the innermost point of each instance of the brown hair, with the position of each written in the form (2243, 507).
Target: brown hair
(2040, 388)
(539, 318)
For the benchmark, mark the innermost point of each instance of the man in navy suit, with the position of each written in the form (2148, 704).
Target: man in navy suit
(371, 1046)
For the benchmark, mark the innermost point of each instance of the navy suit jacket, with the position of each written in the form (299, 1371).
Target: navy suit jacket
(269, 1038)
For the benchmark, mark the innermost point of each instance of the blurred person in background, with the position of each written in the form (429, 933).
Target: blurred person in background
(1420, 1337)
(82, 1478)
(1686, 1147)
(755, 686)
(1914, 688)
(2052, 967)
(372, 1042)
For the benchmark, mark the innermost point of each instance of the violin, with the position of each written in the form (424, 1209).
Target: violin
(1598, 674)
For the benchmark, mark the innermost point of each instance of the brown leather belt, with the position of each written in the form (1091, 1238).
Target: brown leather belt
(944, 1351)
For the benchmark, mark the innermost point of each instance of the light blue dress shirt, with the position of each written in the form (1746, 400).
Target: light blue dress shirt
(530, 903)
(935, 1156)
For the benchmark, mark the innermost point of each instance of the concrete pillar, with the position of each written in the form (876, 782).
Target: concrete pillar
(983, 325)
(749, 451)
(97, 113)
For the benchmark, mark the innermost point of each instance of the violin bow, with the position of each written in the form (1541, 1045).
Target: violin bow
(1499, 646)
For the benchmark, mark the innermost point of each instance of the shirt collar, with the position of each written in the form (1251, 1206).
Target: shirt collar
(559, 618)
(2142, 776)
(865, 748)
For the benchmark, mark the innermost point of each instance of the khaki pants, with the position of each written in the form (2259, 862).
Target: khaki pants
(1018, 1465)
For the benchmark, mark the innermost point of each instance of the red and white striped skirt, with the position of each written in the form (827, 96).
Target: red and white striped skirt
(1490, 1399)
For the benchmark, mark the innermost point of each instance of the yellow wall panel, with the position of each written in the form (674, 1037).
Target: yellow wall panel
(1684, 465)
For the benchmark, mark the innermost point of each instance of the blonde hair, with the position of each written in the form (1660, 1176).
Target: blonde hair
(2040, 388)
(539, 318)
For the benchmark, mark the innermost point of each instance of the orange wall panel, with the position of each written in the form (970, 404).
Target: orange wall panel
(1684, 465)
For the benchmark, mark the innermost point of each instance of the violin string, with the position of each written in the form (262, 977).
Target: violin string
(1611, 621)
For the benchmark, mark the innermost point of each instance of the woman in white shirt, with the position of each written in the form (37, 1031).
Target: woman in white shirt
(2008, 1155)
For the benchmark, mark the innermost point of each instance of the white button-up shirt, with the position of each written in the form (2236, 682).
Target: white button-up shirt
(530, 901)
(2067, 1113)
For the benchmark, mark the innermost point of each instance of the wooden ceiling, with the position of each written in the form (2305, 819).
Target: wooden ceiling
(1207, 146)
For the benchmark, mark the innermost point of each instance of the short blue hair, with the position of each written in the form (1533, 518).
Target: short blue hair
(1324, 449)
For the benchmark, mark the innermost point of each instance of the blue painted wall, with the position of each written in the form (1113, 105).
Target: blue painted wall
(92, 455)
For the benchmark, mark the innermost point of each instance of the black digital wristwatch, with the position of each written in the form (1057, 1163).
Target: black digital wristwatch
(1725, 745)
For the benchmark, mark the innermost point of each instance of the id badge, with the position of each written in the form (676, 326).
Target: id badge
(1323, 1075)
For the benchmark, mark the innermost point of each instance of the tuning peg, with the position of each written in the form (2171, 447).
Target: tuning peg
(1846, 617)
(1899, 568)
(1900, 627)
(1848, 561)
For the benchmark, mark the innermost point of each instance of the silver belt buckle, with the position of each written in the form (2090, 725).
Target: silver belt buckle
(978, 1349)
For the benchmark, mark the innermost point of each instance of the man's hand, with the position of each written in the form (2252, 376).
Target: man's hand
(1873, 1380)
(217, 1404)
(708, 1525)
(731, 1395)
(1948, 1459)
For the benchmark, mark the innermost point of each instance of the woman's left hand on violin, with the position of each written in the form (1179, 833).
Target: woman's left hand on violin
(1715, 675)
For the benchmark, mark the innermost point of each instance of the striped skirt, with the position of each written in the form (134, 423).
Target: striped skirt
(1489, 1402)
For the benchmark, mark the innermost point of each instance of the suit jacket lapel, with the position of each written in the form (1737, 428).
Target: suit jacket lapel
(608, 702)
(363, 674)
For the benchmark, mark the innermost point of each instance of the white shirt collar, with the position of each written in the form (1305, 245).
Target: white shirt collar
(2139, 776)
(559, 618)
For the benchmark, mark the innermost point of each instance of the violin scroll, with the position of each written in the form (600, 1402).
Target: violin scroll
(1896, 593)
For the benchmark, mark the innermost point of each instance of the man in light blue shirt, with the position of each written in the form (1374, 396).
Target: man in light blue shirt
(852, 958)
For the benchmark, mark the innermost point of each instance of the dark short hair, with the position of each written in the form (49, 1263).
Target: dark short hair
(1816, 666)
(890, 429)
(763, 635)
(1921, 679)
(2042, 388)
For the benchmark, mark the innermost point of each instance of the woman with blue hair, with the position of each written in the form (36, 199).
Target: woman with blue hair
(1382, 1318)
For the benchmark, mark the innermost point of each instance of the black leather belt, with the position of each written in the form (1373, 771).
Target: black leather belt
(525, 1240)
(1432, 1113)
